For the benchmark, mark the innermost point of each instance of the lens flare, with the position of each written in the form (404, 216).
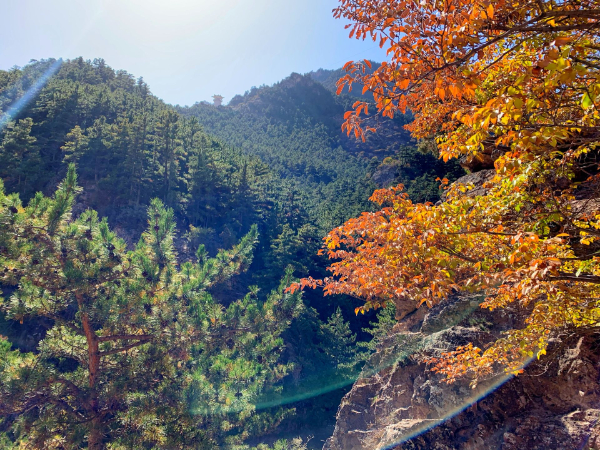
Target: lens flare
(404, 348)
(29, 95)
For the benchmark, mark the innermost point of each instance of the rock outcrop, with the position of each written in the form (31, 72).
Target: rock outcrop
(399, 403)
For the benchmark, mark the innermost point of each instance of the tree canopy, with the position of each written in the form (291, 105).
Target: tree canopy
(517, 83)
(287, 176)
(136, 352)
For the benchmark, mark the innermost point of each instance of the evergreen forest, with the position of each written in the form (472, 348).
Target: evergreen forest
(164, 237)
(402, 253)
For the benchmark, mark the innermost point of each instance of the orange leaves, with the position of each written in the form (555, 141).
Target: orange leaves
(563, 40)
(440, 92)
(457, 52)
(422, 253)
(498, 81)
(305, 282)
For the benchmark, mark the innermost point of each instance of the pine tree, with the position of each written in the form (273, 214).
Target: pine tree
(340, 342)
(18, 155)
(138, 355)
(76, 144)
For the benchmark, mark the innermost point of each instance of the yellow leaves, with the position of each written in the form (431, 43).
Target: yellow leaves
(586, 239)
(523, 101)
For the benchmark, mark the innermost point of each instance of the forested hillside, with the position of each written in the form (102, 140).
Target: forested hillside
(413, 243)
(271, 169)
(329, 78)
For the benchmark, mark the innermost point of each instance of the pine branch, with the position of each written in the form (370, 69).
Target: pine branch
(123, 349)
(124, 337)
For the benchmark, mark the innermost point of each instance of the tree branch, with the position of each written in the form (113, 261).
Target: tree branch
(457, 254)
(123, 349)
(571, 277)
(124, 337)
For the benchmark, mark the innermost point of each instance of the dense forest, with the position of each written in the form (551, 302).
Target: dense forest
(266, 176)
(393, 241)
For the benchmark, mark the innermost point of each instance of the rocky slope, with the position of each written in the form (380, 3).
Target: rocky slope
(399, 403)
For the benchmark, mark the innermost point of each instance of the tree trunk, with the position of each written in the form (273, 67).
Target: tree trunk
(96, 425)
(93, 349)
(95, 434)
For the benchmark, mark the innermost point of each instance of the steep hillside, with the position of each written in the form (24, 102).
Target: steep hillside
(329, 77)
(295, 127)
(399, 403)
(275, 158)
(130, 147)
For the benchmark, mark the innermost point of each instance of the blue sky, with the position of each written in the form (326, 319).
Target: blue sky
(186, 50)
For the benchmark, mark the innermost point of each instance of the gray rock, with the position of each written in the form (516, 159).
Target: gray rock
(399, 403)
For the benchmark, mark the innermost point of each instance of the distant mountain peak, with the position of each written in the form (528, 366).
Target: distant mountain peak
(329, 77)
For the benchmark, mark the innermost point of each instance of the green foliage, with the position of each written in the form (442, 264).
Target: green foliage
(417, 168)
(129, 147)
(18, 155)
(337, 333)
(294, 126)
(294, 444)
(277, 177)
(380, 328)
(138, 353)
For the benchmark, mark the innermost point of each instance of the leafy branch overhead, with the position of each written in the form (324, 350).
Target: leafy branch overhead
(516, 81)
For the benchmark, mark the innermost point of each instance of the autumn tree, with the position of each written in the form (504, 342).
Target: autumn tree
(513, 83)
(136, 354)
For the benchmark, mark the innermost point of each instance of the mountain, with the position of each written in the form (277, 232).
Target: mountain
(274, 157)
(294, 127)
(329, 78)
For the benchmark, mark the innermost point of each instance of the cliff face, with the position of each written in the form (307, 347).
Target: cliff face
(399, 403)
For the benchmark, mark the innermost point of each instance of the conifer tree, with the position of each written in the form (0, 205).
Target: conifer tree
(341, 340)
(18, 154)
(138, 354)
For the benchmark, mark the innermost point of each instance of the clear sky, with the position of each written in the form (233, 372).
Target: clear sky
(186, 50)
